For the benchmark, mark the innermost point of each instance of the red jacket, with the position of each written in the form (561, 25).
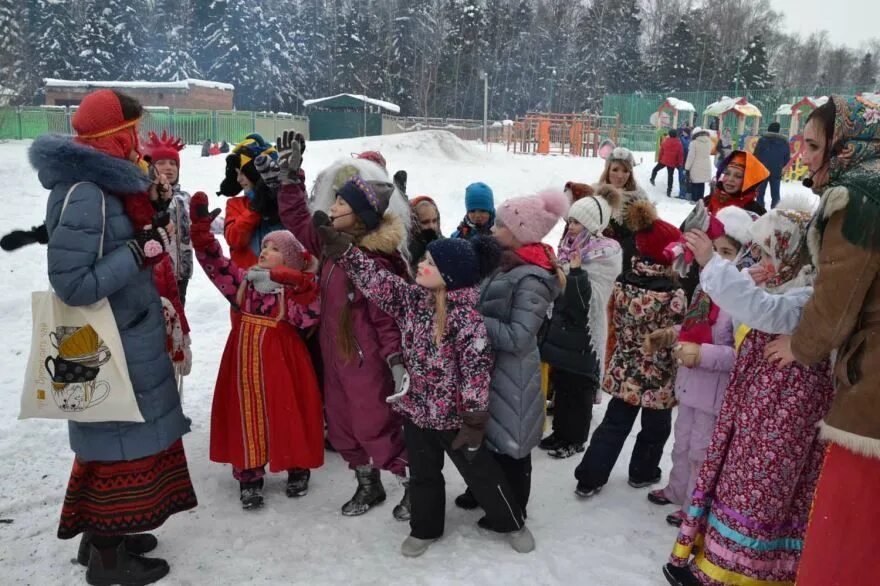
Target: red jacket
(671, 152)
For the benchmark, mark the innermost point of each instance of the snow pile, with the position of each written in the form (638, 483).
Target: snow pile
(681, 105)
(180, 85)
(381, 103)
(618, 537)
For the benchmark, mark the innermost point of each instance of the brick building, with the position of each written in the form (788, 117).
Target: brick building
(188, 93)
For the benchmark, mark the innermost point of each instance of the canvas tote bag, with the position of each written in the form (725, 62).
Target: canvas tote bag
(76, 369)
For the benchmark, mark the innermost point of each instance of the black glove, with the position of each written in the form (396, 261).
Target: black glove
(400, 180)
(148, 246)
(265, 203)
(18, 238)
(291, 146)
(335, 243)
(230, 186)
(470, 437)
(269, 171)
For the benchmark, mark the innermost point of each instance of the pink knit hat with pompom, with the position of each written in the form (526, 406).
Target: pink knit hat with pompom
(294, 253)
(531, 217)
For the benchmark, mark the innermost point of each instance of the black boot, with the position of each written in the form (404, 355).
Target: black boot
(298, 482)
(677, 576)
(466, 501)
(251, 494)
(112, 564)
(402, 512)
(369, 493)
(138, 544)
(551, 442)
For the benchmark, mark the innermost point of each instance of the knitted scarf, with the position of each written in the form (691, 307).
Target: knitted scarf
(538, 254)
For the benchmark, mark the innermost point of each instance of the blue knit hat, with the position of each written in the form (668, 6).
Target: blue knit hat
(478, 196)
(463, 263)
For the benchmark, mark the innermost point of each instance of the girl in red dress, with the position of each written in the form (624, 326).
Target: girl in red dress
(267, 408)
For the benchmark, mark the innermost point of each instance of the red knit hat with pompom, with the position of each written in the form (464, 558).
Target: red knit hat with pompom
(653, 235)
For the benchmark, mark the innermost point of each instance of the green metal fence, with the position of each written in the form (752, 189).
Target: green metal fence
(193, 126)
(636, 109)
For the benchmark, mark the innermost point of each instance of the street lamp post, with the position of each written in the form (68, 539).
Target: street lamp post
(485, 77)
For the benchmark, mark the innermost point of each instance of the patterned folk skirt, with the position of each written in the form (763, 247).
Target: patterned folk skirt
(115, 498)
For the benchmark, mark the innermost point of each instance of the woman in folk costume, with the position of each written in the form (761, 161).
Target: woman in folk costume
(360, 343)
(843, 156)
(128, 477)
(267, 407)
(646, 298)
(599, 259)
(752, 499)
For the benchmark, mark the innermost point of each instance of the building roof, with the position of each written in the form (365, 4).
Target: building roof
(739, 105)
(679, 105)
(351, 101)
(182, 84)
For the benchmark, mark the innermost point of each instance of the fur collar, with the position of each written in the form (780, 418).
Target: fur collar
(387, 237)
(865, 446)
(60, 160)
(834, 199)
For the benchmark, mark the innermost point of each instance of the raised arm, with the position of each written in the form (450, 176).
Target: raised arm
(293, 208)
(392, 294)
(225, 275)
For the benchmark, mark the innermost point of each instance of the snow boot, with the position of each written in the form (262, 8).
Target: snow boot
(138, 544)
(566, 451)
(551, 442)
(403, 511)
(413, 547)
(677, 576)
(522, 541)
(658, 497)
(113, 564)
(675, 519)
(586, 491)
(369, 493)
(251, 494)
(467, 501)
(644, 483)
(298, 482)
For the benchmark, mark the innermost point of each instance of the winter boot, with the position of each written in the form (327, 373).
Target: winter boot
(586, 491)
(298, 482)
(668, 193)
(413, 547)
(403, 512)
(251, 494)
(675, 519)
(551, 442)
(653, 179)
(677, 576)
(466, 501)
(138, 544)
(369, 493)
(522, 541)
(566, 451)
(658, 497)
(113, 564)
(644, 483)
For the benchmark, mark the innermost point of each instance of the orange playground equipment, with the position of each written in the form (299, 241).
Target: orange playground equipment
(796, 170)
(579, 135)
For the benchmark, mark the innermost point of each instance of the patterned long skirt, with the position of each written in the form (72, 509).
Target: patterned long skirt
(752, 501)
(115, 498)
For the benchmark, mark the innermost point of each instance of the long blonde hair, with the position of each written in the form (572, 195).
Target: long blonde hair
(630, 183)
(440, 313)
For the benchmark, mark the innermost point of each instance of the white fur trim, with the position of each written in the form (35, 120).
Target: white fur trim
(799, 202)
(833, 200)
(737, 223)
(865, 446)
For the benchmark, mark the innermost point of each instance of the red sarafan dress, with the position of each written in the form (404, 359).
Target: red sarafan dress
(267, 406)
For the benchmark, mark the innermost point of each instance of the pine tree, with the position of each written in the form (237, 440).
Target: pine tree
(94, 37)
(754, 70)
(15, 73)
(866, 74)
(128, 36)
(211, 22)
(53, 39)
(678, 63)
(176, 56)
(232, 40)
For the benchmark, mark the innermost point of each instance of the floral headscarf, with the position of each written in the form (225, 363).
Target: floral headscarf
(781, 235)
(855, 164)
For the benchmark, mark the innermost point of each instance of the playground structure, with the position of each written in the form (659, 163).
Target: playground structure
(676, 107)
(742, 110)
(800, 110)
(579, 135)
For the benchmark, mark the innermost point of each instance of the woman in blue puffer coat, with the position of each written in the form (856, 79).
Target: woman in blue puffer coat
(127, 478)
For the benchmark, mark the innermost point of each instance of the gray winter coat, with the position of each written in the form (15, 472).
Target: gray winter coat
(514, 304)
(80, 278)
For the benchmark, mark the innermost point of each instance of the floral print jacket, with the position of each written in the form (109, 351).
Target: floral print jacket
(445, 380)
(645, 299)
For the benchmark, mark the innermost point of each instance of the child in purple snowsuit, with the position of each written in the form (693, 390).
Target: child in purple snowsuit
(704, 349)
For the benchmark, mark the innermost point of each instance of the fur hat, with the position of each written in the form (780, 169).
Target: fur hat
(167, 147)
(242, 159)
(530, 218)
(737, 223)
(576, 191)
(653, 235)
(294, 253)
(479, 196)
(595, 211)
(623, 155)
(464, 263)
(368, 199)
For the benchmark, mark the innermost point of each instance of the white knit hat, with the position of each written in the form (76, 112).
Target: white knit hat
(737, 223)
(595, 211)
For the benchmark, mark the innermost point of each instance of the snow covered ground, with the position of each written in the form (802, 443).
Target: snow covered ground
(616, 538)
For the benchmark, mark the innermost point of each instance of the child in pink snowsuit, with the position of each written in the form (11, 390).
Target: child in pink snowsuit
(704, 349)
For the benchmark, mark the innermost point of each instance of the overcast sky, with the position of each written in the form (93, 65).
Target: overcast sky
(848, 22)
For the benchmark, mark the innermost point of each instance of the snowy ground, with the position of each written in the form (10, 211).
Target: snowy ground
(616, 538)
